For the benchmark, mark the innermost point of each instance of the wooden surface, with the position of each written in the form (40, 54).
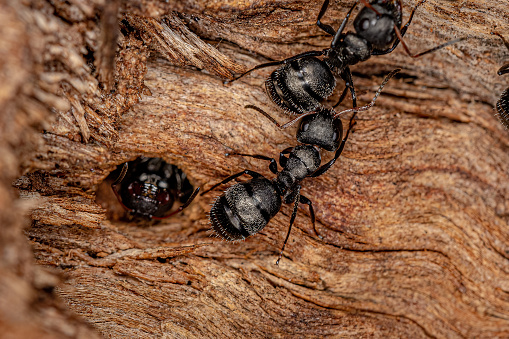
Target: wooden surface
(412, 219)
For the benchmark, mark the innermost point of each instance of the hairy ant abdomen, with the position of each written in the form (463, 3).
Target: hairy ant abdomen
(245, 208)
(503, 108)
(301, 85)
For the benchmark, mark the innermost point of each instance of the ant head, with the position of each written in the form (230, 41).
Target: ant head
(321, 129)
(378, 28)
(146, 203)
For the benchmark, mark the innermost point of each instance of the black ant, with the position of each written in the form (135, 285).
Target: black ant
(150, 186)
(503, 102)
(245, 208)
(303, 81)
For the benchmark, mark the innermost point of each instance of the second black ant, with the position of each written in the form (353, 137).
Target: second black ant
(303, 81)
(148, 188)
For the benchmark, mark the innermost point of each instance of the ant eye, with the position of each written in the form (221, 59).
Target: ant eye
(304, 127)
(364, 24)
(335, 136)
(338, 130)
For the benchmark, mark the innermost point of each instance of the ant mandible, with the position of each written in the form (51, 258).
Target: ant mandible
(246, 208)
(503, 102)
(303, 81)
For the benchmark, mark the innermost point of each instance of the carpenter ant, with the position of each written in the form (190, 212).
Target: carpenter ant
(246, 207)
(150, 186)
(303, 81)
(503, 102)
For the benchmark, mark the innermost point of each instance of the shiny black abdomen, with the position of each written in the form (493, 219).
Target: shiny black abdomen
(301, 85)
(245, 208)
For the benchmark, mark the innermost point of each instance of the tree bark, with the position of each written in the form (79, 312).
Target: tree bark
(412, 219)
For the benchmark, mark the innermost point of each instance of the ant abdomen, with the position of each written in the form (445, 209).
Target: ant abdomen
(245, 208)
(299, 86)
(503, 108)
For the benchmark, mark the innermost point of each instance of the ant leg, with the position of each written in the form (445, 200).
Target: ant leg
(272, 165)
(282, 158)
(264, 113)
(429, 50)
(121, 176)
(118, 181)
(346, 75)
(286, 125)
(292, 219)
(401, 33)
(231, 177)
(339, 33)
(504, 69)
(506, 43)
(304, 200)
(187, 203)
(368, 5)
(275, 63)
(328, 29)
(341, 98)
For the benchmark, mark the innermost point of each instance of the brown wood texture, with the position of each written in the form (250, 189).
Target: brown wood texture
(412, 219)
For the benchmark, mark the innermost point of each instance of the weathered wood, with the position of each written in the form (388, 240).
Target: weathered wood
(412, 219)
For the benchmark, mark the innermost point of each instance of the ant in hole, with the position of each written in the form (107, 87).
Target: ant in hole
(503, 102)
(246, 208)
(303, 81)
(150, 186)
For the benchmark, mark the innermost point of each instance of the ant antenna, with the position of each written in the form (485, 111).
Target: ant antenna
(286, 125)
(118, 181)
(372, 103)
(504, 69)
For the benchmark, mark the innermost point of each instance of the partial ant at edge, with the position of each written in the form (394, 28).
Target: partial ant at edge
(503, 102)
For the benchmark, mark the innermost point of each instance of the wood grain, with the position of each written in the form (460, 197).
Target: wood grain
(412, 219)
